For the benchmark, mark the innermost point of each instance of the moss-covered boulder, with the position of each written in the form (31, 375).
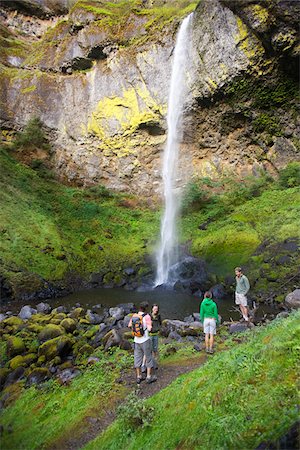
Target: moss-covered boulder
(59, 346)
(30, 358)
(51, 331)
(38, 375)
(15, 346)
(86, 350)
(69, 324)
(3, 375)
(13, 321)
(77, 313)
(17, 361)
(34, 327)
(60, 316)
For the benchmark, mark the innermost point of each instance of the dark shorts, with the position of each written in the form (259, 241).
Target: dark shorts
(140, 350)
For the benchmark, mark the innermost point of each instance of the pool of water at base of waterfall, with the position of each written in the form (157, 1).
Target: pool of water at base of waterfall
(173, 304)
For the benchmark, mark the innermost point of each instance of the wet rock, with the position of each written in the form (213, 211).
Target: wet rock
(189, 319)
(125, 345)
(93, 318)
(292, 300)
(51, 331)
(127, 308)
(126, 320)
(59, 346)
(197, 317)
(68, 324)
(175, 335)
(129, 271)
(283, 315)
(2, 317)
(218, 291)
(37, 376)
(198, 347)
(60, 309)
(117, 313)
(43, 308)
(15, 346)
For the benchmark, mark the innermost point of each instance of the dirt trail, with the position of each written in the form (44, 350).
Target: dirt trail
(94, 426)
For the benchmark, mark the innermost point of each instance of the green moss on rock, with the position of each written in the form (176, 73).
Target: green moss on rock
(51, 331)
(15, 346)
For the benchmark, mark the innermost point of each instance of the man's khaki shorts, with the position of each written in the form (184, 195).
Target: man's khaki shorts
(140, 350)
(240, 299)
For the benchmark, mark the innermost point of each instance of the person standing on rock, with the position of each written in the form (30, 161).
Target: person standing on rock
(241, 290)
(210, 319)
(141, 326)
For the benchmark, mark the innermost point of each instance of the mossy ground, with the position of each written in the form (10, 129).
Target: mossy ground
(53, 230)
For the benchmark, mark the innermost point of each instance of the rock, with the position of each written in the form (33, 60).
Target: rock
(59, 346)
(68, 324)
(2, 317)
(198, 347)
(129, 271)
(14, 376)
(13, 321)
(292, 300)
(128, 308)
(127, 320)
(197, 317)
(93, 318)
(60, 309)
(218, 291)
(93, 360)
(111, 339)
(282, 315)
(117, 313)
(86, 349)
(170, 351)
(17, 361)
(15, 346)
(239, 327)
(77, 313)
(125, 345)
(189, 319)
(43, 308)
(37, 376)
(3, 375)
(175, 335)
(51, 331)
(68, 375)
(26, 312)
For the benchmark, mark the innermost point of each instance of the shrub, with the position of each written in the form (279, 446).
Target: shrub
(135, 413)
(196, 194)
(32, 136)
(290, 175)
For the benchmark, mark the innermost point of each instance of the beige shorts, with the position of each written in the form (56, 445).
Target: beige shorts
(209, 326)
(240, 299)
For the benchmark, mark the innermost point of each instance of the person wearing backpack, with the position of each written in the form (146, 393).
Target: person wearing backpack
(141, 325)
(210, 319)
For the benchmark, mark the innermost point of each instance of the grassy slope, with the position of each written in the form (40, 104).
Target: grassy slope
(237, 400)
(43, 221)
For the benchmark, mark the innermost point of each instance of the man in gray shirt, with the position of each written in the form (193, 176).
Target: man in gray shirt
(242, 287)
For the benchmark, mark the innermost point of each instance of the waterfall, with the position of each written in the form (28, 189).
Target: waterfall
(166, 255)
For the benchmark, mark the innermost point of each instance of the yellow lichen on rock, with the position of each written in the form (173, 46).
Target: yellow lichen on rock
(117, 118)
(250, 45)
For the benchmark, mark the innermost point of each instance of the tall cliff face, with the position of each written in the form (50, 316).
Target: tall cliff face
(98, 78)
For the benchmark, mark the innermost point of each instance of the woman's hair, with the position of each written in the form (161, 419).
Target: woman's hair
(144, 306)
(208, 294)
(155, 304)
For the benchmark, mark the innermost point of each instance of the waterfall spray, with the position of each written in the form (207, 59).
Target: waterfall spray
(166, 255)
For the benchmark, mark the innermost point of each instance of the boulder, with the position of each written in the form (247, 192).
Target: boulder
(67, 375)
(60, 309)
(3, 375)
(127, 320)
(77, 313)
(38, 375)
(240, 327)
(51, 331)
(13, 321)
(59, 346)
(292, 300)
(43, 308)
(86, 349)
(14, 376)
(111, 339)
(93, 318)
(68, 324)
(26, 312)
(2, 317)
(17, 361)
(117, 313)
(15, 346)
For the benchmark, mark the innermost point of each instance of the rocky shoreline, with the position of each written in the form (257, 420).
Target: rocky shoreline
(42, 343)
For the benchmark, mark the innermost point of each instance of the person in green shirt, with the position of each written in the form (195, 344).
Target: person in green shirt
(210, 319)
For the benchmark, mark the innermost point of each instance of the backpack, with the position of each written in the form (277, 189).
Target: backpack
(137, 325)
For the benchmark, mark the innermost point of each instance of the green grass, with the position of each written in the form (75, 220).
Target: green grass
(236, 231)
(237, 400)
(51, 412)
(41, 220)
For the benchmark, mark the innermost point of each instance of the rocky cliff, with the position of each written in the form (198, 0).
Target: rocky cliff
(98, 77)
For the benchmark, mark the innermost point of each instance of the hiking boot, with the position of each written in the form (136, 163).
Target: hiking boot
(211, 351)
(138, 380)
(151, 379)
(207, 350)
